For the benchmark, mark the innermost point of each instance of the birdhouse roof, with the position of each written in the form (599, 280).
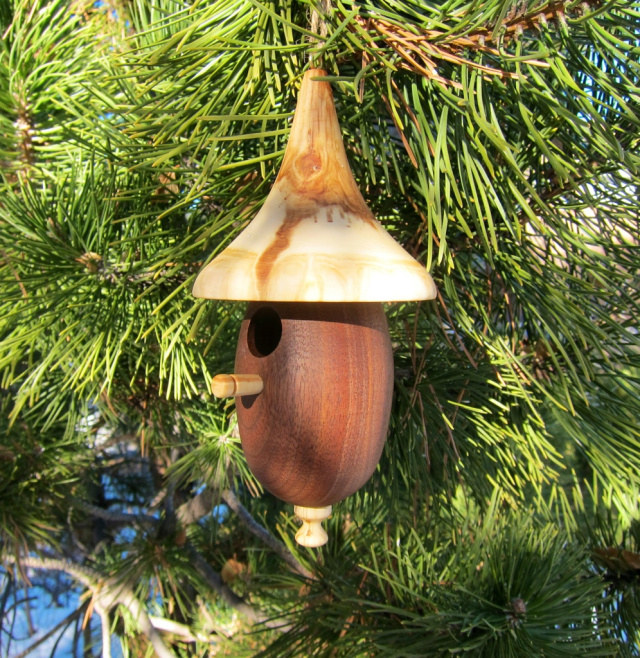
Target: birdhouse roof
(315, 239)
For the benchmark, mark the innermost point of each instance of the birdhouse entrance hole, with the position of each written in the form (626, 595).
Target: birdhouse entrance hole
(265, 332)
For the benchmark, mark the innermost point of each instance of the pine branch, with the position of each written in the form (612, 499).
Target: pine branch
(202, 504)
(195, 508)
(264, 535)
(419, 54)
(213, 579)
(114, 517)
(186, 514)
(420, 49)
(50, 633)
(181, 630)
(6, 260)
(107, 592)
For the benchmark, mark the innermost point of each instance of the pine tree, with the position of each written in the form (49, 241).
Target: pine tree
(498, 141)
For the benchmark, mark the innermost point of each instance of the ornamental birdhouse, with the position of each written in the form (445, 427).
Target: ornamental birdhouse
(313, 374)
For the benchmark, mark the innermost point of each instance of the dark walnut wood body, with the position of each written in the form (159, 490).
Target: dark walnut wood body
(315, 433)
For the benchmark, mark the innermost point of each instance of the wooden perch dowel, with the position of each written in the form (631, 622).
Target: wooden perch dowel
(229, 386)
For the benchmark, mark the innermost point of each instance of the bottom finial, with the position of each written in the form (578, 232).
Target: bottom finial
(311, 533)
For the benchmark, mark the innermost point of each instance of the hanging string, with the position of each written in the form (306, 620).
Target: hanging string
(319, 25)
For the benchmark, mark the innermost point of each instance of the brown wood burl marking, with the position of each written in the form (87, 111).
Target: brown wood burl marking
(316, 432)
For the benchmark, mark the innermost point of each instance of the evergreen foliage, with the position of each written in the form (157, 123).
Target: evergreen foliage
(498, 141)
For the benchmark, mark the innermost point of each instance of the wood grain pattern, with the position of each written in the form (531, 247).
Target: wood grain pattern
(315, 239)
(315, 433)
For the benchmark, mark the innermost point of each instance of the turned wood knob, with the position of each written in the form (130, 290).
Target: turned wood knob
(311, 533)
(315, 433)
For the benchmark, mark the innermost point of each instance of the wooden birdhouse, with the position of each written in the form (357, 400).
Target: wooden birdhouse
(313, 374)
